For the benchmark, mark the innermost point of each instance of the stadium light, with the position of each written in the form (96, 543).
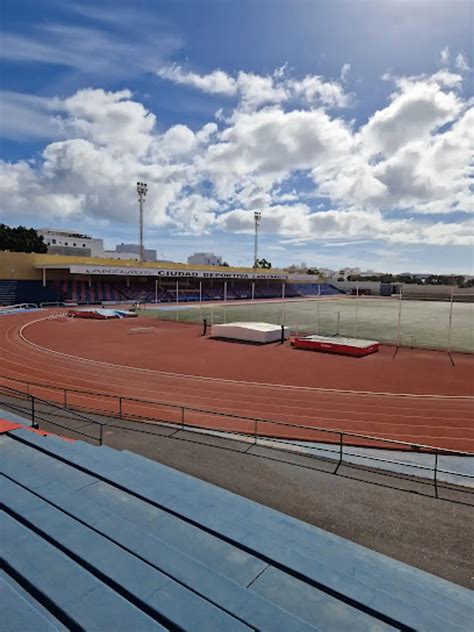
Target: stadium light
(142, 189)
(257, 217)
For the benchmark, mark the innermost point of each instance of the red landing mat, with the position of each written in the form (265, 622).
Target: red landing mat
(342, 346)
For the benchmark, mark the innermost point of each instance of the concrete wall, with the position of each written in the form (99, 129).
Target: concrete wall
(348, 286)
(409, 289)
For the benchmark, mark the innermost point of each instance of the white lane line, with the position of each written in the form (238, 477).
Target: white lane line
(229, 381)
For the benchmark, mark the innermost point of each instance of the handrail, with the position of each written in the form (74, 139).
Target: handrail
(7, 308)
(420, 447)
(35, 415)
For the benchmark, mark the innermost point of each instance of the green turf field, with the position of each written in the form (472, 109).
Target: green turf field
(423, 323)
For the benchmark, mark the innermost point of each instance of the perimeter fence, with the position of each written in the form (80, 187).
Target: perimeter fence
(70, 410)
(441, 325)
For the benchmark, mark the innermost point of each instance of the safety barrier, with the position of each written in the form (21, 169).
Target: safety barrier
(9, 308)
(335, 443)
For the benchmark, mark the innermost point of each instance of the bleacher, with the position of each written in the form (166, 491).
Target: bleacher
(13, 292)
(143, 291)
(81, 292)
(315, 289)
(100, 539)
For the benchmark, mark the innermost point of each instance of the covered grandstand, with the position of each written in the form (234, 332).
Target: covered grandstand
(49, 278)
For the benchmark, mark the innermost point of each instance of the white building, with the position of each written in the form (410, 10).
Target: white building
(124, 256)
(130, 252)
(204, 259)
(70, 242)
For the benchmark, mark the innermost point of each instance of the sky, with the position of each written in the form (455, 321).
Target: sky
(348, 124)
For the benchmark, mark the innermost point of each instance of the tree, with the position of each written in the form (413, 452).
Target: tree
(21, 239)
(225, 264)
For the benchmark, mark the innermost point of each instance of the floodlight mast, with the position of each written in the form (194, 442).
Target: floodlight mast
(142, 190)
(257, 217)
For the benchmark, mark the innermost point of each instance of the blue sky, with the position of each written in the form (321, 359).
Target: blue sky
(349, 124)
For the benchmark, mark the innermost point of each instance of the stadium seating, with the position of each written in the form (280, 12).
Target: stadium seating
(80, 291)
(95, 538)
(12, 292)
(314, 289)
(100, 290)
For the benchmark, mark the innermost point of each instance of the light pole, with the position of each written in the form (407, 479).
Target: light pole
(142, 189)
(257, 217)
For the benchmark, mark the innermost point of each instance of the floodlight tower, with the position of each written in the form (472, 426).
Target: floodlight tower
(142, 189)
(257, 217)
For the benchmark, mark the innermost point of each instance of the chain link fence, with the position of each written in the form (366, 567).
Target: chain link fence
(443, 325)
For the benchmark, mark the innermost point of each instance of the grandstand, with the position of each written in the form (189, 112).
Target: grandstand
(96, 538)
(49, 278)
(144, 291)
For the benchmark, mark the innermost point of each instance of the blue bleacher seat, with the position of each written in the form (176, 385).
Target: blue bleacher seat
(79, 598)
(20, 612)
(130, 522)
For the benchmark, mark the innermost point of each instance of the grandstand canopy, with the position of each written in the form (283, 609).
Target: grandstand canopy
(157, 271)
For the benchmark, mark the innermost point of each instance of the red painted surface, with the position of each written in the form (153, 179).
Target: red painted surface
(334, 347)
(8, 426)
(141, 366)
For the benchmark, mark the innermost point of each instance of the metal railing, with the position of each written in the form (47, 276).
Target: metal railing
(9, 308)
(72, 303)
(37, 415)
(335, 445)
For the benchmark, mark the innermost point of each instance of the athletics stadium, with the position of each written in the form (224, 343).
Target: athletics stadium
(183, 478)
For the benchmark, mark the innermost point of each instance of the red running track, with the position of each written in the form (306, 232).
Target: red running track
(419, 397)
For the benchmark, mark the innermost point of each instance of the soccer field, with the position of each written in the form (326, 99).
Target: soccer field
(423, 324)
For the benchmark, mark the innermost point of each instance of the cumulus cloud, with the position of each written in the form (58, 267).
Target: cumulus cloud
(108, 119)
(216, 82)
(390, 178)
(416, 109)
(256, 90)
(275, 142)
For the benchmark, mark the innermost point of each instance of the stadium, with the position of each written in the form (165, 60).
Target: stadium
(236, 316)
(139, 357)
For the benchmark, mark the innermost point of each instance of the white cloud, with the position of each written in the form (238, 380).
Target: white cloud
(345, 72)
(177, 142)
(27, 194)
(417, 108)
(297, 224)
(389, 179)
(195, 214)
(444, 56)
(315, 90)
(257, 90)
(216, 82)
(110, 119)
(274, 142)
(461, 63)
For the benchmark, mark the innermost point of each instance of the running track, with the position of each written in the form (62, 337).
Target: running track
(418, 397)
